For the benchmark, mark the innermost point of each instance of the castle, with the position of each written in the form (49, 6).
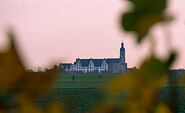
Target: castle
(106, 65)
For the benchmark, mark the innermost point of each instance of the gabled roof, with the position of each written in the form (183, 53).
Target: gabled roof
(85, 62)
(113, 60)
(64, 65)
(97, 62)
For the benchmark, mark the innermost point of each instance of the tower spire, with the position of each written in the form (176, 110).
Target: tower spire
(122, 53)
(122, 44)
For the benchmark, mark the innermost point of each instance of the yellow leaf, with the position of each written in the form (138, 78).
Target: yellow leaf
(140, 87)
(36, 83)
(183, 79)
(101, 108)
(56, 108)
(162, 108)
(26, 105)
(11, 68)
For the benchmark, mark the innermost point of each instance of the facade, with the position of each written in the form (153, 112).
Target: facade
(106, 65)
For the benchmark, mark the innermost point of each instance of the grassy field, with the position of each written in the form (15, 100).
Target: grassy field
(79, 96)
(74, 100)
(83, 77)
(82, 80)
(90, 81)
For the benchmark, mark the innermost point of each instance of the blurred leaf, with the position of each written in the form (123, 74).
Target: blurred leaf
(56, 108)
(11, 69)
(171, 58)
(26, 105)
(140, 87)
(149, 73)
(36, 83)
(2, 111)
(145, 14)
(162, 108)
(183, 78)
(13, 76)
(101, 108)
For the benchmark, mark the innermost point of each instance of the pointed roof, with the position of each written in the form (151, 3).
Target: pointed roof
(122, 47)
(97, 62)
(85, 62)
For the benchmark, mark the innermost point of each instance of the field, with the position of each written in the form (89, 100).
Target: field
(74, 100)
(82, 80)
(83, 91)
(90, 81)
(86, 91)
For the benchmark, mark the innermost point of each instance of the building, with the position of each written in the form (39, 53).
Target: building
(106, 65)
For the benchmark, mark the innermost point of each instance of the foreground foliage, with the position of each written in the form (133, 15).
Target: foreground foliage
(135, 92)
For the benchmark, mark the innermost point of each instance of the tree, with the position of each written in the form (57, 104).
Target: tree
(39, 69)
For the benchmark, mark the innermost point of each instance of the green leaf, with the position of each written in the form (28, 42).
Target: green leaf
(145, 14)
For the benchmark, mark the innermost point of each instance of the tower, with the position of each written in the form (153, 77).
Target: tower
(122, 53)
(123, 65)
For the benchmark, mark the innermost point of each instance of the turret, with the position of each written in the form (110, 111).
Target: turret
(122, 53)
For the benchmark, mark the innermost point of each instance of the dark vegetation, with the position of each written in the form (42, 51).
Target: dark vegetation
(80, 100)
(75, 100)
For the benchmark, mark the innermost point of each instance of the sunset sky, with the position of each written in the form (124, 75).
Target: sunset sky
(53, 31)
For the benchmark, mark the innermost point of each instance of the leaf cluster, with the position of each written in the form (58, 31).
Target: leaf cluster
(134, 92)
(28, 85)
(143, 16)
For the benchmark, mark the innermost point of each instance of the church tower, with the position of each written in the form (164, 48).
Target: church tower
(122, 53)
(123, 65)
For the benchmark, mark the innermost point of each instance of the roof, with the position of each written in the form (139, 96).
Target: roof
(84, 62)
(97, 62)
(66, 64)
(113, 60)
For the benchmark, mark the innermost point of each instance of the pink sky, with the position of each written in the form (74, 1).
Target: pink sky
(62, 30)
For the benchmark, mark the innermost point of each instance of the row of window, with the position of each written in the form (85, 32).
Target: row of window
(92, 68)
(92, 64)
